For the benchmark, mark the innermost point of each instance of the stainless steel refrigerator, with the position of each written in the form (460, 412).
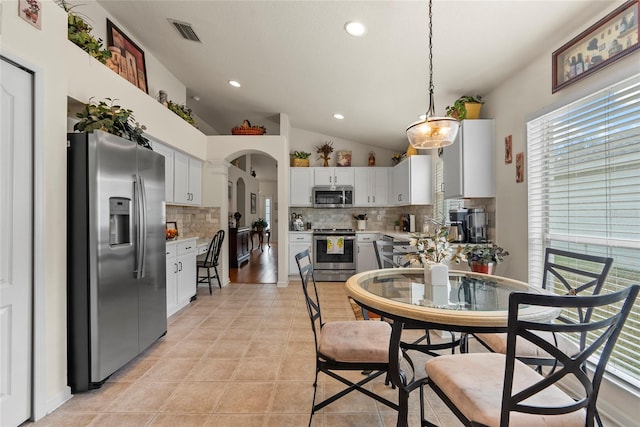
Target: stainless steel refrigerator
(116, 290)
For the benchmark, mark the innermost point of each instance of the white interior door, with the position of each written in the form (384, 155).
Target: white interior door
(16, 228)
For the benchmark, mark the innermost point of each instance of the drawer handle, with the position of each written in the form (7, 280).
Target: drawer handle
(188, 247)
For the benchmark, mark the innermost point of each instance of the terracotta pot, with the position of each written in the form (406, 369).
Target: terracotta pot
(476, 267)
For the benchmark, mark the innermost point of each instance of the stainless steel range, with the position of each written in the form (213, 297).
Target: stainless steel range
(334, 254)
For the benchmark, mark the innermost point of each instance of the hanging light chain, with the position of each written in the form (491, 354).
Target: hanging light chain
(432, 110)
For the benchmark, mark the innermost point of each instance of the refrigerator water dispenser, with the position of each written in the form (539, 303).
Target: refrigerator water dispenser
(119, 220)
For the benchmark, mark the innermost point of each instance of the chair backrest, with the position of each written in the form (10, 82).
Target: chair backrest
(572, 273)
(389, 254)
(305, 266)
(213, 253)
(604, 331)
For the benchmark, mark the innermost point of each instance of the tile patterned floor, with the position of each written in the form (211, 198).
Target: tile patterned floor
(243, 356)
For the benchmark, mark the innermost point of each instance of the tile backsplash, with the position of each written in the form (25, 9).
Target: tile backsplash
(194, 221)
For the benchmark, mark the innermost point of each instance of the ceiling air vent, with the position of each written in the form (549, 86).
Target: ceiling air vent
(185, 30)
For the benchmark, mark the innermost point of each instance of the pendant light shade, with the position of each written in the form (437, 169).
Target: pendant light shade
(432, 132)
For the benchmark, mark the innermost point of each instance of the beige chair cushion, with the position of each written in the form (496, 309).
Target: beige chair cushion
(355, 341)
(473, 382)
(524, 348)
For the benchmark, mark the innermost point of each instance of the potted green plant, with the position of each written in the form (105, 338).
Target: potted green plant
(259, 224)
(465, 107)
(300, 159)
(396, 225)
(79, 32)
(484, 258)
(111, 118)
(183, 111)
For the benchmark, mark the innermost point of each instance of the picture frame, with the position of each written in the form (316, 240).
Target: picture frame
(508, 149)
(132, 63)
(520, 167)
(253, 202)
(608, 40)
(31, 11)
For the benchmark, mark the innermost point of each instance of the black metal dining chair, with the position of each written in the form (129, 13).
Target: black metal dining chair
(494, 389)
(343, 345)
(210, 260)
(567, 273)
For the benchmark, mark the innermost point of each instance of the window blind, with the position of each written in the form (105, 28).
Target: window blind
(584, 194)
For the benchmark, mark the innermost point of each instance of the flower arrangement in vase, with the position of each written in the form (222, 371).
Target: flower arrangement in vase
(436, 248)
(324, 150)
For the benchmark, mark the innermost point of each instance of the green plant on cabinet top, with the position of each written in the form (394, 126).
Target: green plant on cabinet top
(113, 119)
(79, 32)
(458, 109)
(300, 155)
(183, 111)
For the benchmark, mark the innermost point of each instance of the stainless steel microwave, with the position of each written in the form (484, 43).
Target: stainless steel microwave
(333, 197)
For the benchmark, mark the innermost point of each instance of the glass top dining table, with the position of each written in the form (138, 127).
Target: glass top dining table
(469, 303)
(474, 302)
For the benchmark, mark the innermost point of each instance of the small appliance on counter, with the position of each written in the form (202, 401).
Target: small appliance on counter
(476, 225)
(457, 220)
(405, 222)
(296, 224)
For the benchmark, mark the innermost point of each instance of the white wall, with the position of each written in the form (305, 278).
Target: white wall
(519, 99)
(302, 140)
(42, 49)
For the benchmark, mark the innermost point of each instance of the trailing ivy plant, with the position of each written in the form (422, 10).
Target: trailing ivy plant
(113, 119)
(79, 32)
(183, 111)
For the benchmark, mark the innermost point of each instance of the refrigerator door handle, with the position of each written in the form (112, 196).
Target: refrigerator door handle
(139, 227)
(143, 193)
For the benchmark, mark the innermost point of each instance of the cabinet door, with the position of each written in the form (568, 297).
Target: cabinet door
(168, 169)
(378, 186)
(172, 287)
(294, 249)
(195, 181)
(420, 180)
(186, 277)
(401, 184)
(323, 176)
(300, 183)
(366, 259)
(361, 196)
(181, 178)
(343, 176)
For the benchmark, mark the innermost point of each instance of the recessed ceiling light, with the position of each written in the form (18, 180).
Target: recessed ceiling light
(338, 116)
(234, 83)
(356, 29)
(195, 98)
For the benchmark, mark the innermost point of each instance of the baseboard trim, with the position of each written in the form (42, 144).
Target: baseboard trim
(58, 400)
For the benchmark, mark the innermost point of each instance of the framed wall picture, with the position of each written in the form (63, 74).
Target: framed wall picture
(611, 38)
(508, 149)
(31, 11)
(131, 59)
(520, 167)
(253, 203)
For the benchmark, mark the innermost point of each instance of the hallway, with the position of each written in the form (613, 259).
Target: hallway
(262, 266)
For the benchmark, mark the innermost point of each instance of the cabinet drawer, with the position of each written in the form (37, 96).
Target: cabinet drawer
(202, 249)
(367, 237)
(300, 238)
(186, 247)
(172, 249)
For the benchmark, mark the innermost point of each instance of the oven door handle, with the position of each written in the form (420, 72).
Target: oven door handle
(319, 238)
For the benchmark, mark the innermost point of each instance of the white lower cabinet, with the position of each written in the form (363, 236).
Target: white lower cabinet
(181, 274)
(298, 242)
(366, 257)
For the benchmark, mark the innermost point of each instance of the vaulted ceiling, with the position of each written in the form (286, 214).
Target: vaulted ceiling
(294, 57)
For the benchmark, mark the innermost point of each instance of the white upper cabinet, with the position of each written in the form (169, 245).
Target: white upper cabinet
(412, 182)
(333, 176)
(300, 184)
(168, 169)
(468, 162)
(187, 179)
(371, 186)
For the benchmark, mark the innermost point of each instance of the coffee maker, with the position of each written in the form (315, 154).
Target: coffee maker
(476, 225)
(457, 220)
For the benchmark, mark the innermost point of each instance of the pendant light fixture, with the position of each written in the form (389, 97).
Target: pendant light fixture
(432, 132)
